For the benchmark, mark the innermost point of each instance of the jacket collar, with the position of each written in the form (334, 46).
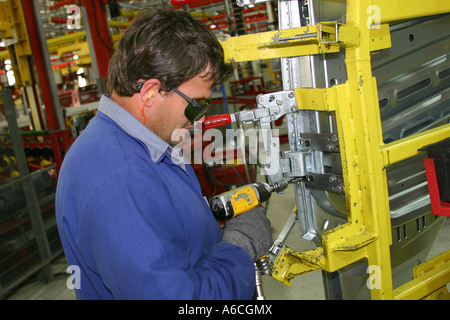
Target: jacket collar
(156, 146)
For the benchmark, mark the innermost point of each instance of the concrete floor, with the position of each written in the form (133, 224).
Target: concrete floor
(308, 286)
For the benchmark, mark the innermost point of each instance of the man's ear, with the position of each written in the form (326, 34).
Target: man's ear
(149, 89)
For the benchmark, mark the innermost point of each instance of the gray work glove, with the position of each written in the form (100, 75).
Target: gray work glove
(250, 231)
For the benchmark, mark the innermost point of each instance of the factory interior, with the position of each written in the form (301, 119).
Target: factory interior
(356, 97)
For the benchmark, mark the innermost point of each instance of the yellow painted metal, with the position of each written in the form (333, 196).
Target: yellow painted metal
(56, 42)
(4, 54)
(81, 49)
(325, 37)
(428, 277)
(321, 99)
(408, 147)
(315, 99)
(119, 23)
(19, 51)
(360, 135)
(276, 44)
(128, 13)
(440, 294)
(72, 47)
(6, 21)
(22, 48)
(14, 33)
(341, 246)
(392, 10)
(380, 38)
(367, 234)
(36, 123)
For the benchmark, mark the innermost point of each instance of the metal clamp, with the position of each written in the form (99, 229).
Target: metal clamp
(293, 164)
(271, 107)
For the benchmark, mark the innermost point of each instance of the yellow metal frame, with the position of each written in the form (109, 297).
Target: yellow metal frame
(320, 38)
(367, 234)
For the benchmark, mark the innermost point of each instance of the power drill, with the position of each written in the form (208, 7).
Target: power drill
(228, 205)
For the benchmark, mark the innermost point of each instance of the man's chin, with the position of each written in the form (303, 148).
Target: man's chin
(179, 135)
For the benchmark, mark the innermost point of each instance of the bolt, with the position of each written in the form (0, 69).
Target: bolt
(276, 110)
(279, 102)
(307, 143)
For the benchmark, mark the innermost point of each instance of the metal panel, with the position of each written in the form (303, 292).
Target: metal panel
(351, 108)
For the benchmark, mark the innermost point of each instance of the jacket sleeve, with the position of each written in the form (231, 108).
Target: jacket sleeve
(133, 235)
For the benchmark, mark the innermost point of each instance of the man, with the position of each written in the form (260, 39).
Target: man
(131, 216)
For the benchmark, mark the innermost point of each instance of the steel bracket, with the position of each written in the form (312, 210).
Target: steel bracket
(325, 181)
(293, 164)
(325, 142)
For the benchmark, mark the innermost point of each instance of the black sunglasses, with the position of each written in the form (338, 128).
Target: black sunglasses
(195, 109)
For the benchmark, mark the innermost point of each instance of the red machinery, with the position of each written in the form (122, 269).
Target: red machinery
(437, 168)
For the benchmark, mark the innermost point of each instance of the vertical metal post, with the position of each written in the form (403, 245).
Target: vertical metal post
(28, 186)
(367, 197)
(41, 58)
(297, 72)
(99, 39)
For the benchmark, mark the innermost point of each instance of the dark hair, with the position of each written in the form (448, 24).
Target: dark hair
(167, 45)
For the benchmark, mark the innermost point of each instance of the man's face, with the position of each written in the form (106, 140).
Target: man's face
(168, 114)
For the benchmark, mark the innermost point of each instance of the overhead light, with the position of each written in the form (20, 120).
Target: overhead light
(10, 77)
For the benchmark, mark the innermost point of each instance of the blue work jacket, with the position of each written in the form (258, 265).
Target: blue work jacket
(133, 222)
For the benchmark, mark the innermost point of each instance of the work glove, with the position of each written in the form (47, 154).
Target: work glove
(250, 231)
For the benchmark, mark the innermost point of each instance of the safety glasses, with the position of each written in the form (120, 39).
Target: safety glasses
(195, 109)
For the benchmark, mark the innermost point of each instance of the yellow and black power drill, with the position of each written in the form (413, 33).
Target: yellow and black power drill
(229, 204)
